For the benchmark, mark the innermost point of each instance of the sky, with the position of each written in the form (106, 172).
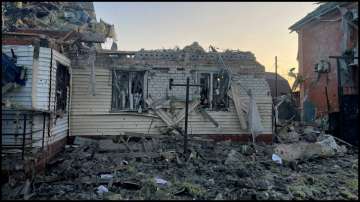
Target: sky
(259, 27)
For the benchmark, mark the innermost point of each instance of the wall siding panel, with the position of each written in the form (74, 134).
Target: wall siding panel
(23, 97)
(90, 115)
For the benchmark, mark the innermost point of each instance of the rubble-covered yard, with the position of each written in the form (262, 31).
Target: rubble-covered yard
(101, 169)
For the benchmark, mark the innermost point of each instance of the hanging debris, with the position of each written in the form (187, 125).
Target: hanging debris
(12, 74)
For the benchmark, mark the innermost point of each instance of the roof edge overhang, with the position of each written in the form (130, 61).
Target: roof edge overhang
(318, 12)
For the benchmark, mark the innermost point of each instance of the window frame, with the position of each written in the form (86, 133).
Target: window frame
(211, 92)
(66, 75)
(144, 91)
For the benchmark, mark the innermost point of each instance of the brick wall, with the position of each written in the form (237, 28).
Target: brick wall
(158, 83)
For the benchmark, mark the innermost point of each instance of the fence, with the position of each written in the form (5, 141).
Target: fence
(18, 129)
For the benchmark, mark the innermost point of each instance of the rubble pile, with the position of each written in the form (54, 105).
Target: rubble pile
(59, 16)
(212, 170)
(194, 54)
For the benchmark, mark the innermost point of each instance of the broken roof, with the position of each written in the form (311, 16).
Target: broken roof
(56, 19)
(323, 9)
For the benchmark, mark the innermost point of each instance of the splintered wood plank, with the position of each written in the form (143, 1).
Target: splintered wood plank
(180, 115)
(206, 115)
(125, 143)
(143, 145)
(160, 112)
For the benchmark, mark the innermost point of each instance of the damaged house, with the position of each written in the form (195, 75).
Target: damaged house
(36, 72)
(83, 122)
(328, 64)
(35, 114)
(67, 85)
(128, 93)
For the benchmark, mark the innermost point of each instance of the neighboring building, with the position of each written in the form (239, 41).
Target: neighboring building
(35, 115)
(126, 80)
(330, 30)
(283, 87)
(36, 82)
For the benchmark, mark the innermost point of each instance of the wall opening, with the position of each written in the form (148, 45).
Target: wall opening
(211, 92)
(127, 91)
(205, 90)
(220, 100)
(62, 85)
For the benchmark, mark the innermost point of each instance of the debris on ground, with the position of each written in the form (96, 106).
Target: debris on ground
(102, 189)
(276, 158)
(324, 147)
(220, 171)
(288, 134)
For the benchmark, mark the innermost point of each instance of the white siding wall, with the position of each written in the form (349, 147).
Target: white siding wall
(90, 114)
(38, 125)
(23, 96)
(43, 82)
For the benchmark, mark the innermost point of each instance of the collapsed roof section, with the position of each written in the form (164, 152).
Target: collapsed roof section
(191, 55)
(55, 16)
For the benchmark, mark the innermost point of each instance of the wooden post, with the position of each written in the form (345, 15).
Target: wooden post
(276, 77)
(23, 140)
(275, 91)
(131, 97)
(186, 113)
(211, 90)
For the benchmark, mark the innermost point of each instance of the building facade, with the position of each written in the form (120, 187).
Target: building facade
(327, 55)
(125, 81)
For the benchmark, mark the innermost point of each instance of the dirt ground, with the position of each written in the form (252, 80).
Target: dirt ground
(222, 170)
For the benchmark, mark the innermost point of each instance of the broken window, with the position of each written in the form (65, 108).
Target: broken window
(205, 90)
(212, 95)
(62, 84)
(128, 90)
(220, 100)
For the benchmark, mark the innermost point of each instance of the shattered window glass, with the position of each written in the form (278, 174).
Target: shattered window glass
(128, 90)
(220, 100)
(205, 90)
(62, 84)
(212, 92)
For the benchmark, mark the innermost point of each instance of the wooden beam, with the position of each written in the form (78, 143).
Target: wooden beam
(142, 135)
(161, 113)
(235, 95)
(207, 116)
(126, 143)
(180, 115)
